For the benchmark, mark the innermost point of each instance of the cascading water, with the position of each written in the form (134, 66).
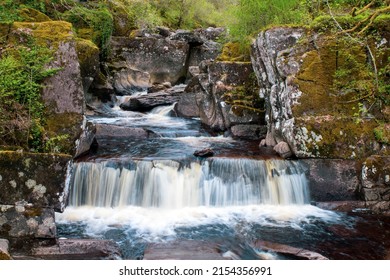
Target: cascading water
(151, 190)
(167, 184)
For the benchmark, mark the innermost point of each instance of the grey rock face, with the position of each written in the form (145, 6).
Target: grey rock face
(148, 101)
(272, 68)
(207, 94)
(105, 130)
(248, 131)
(375, 178)
(86, 139)
(332, 180)
(128, 81)
(63, 92)
(25, 221)
(24, 178)
(283, 150)
(163, 59)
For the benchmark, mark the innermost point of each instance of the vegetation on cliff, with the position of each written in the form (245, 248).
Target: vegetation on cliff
(22, 118)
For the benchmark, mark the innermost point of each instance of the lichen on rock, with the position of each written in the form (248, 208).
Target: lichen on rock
(313, 84)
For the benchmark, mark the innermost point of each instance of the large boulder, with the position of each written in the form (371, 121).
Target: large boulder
(110, 131)
(24, 177)
(222, 97)
(128, 81)
(163, 59)
(63, 92)
(296, 71)
(28, 196)
(142, 103)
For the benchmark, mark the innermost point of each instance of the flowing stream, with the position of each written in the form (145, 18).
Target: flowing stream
(141, 191)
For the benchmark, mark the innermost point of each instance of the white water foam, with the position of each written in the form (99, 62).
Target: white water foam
(155, 223)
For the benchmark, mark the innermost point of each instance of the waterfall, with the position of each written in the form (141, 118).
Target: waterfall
(168, 184)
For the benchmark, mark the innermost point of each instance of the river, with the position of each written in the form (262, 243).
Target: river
(154, 190)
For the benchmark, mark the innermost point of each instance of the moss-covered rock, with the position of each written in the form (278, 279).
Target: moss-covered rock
(5, 29)
(334, 137)
(48, 32)
(64, 129)
(233, 51)
(32, 15)
(320, 92)
(62, 93)
(88, 54)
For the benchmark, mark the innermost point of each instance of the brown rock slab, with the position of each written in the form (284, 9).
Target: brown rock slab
(79, 249)
(343, 206)
(105, 130)
(142, 103)
(183, 250)
(283, 249)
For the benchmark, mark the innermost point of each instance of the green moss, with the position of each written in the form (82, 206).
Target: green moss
(382, 133)
(100, 20)
(332, 137)
(32, 15)
(45, 32)
(85, 49)
(86, 33)
(315, 79)
(234, 52)
(4, 32)
(334, 78)
(381, 23)
(64, 124)
(88, 54)
(327, 24)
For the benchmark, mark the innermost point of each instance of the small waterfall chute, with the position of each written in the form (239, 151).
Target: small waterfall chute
(217, 182)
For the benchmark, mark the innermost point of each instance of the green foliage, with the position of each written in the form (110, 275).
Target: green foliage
(22, 111)
(233, 51)
(248, 17)
(135, 13)
(245, 97)
(8, 11)
(384, 83)
(191, 14)
(56, 144)
(353, 76)
(382, 133)
(99, 20)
